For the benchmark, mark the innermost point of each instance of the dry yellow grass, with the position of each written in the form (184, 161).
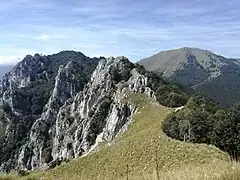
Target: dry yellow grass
(219, 171)
(213, 171)
(139, 151)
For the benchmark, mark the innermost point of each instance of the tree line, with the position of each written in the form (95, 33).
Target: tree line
(203, 121)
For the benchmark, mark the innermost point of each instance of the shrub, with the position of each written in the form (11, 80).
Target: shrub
(6, 107)
(166, 93)
(202, 122)
(46, 154)
(23, 173)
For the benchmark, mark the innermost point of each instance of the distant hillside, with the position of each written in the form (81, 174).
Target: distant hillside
(4, 69)
(215, 76)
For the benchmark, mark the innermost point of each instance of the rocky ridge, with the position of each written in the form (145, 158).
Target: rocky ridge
(77, 116)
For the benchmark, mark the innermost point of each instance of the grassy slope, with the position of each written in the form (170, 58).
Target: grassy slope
(138, 148)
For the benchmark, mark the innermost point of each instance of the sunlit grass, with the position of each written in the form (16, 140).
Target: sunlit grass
(214, 171)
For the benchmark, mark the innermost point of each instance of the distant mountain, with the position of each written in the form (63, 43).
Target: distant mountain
(215, 76)
(4, 69)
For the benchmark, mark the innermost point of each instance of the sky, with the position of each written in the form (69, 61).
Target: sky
(132, 28)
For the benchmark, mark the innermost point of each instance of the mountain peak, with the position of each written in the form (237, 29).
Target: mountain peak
(170, 61)
(191, 48)
(200, 69)
(188, 50)
(197, 50)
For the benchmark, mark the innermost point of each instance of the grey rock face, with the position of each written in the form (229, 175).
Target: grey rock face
(100, 93)
(20, 76)
(25, 91)
(39, 131)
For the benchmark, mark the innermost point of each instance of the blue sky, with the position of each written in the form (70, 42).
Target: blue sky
(135, 29)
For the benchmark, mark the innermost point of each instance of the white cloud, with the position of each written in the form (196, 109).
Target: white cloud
(7, 60)
(46, 37)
